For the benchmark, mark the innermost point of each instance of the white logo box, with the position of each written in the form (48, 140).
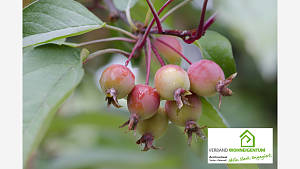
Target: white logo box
(240, 145)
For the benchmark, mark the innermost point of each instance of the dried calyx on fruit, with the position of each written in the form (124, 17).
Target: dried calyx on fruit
(172, 83)
(116, 81)
(152, 128)
(187, 116)
(142, 102)
(207, 78)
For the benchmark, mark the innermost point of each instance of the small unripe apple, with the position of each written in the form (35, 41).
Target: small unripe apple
(191, 112)
(152, 128)
(142, 102)
(187, 116)
(172, 83)
(116, 81)
(204, 76)
(170, 55)
(207, 78)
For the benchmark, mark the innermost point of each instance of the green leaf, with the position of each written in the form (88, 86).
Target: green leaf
(212, 118)
(216, 47)
(122, 4)
(47, 20)
(50, 74)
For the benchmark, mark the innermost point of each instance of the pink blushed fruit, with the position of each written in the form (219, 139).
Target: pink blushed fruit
(116, 81)
(142, 102)
(170, 55)
(207, 78)
(204, 75)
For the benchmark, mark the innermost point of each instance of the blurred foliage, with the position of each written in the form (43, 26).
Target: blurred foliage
(85, 133)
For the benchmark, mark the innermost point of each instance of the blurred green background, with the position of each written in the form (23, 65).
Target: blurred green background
(85, 133)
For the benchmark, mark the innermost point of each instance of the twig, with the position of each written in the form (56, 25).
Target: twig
(152, 22)
(106, 40)
(155, 15)
(175, 50)
(161, 61)
(105, 51)
(209, 21)
(120, 30)
(173, 10)
(148, 60)
(133, 51)
(202, 18)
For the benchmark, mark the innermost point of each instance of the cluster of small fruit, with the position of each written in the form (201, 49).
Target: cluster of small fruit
(180, 89)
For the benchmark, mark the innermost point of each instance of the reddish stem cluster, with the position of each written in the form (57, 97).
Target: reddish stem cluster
(180, 89)
(187, 36)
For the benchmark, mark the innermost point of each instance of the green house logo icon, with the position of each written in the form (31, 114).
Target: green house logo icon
(247, 139)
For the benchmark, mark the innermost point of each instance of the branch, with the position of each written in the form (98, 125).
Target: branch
(175, 50)
(152, 22)
(136, 46)
(155, 15)
(106, 40)
(209, 22)
(187, 36)
(202, 18)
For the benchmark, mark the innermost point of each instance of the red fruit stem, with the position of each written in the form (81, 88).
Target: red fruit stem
(188, 36)
(184, 34)
(133, 51)
(209, 21)
(202, 18)
(148, 60)
(175, 50)
(161, 61)
(152, 22)
(155, 15)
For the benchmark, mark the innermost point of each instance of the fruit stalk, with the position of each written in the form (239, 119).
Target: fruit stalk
(155, 15)
(161, 61)
(136, 46)
(175, 50)
(148, 59)
(152, 22)
(202, 18)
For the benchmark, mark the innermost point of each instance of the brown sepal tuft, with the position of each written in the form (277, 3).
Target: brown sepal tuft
(147, 139)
